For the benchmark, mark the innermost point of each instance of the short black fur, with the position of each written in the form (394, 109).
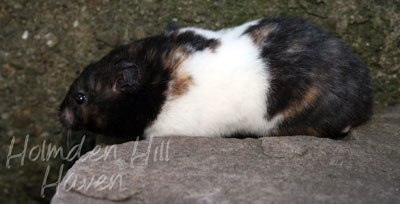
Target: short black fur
(301, 56)
(318, 86)
(141, 77)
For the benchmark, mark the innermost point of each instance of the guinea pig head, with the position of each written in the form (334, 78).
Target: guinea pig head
(107, 97)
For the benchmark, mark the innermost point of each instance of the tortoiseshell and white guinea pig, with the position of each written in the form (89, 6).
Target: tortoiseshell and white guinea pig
(275, 76)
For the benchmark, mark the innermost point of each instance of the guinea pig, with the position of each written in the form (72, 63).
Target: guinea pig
(269, 77)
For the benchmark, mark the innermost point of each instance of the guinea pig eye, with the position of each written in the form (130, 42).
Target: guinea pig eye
(80, 98)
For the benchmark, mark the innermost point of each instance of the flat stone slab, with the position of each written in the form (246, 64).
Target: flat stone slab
(364, 168)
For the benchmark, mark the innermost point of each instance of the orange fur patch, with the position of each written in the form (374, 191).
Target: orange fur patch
(179, 85)
(85, 115)
(311, 131)
(309, 98)
(173, 59)
(296, 131)
(260, 35)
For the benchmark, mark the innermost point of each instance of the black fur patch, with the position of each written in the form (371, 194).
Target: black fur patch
(318, 86)
(114, 112)
(301, 56)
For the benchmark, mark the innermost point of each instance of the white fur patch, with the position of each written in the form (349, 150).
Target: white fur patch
(228, 93)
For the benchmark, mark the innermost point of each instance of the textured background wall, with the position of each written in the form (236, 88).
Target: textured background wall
(45, 44)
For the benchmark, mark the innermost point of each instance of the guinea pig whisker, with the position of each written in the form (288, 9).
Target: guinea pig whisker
(68, 138)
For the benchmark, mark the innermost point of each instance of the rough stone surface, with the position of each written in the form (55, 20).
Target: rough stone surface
(363, 168)
(45, 44)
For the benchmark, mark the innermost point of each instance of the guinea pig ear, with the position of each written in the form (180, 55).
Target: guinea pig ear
(171, 27)
(127, 76)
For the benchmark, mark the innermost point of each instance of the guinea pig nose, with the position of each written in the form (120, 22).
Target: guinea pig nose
(68, 117)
